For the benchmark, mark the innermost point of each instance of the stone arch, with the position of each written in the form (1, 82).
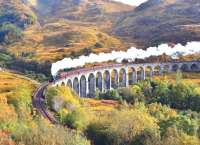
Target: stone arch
(83, 86)
(114, 79)
(175, 67)
(76, 85)
(157, 70)
(69, 83)
(99, 81)
(194, 67)
(132, 75)
(122, 78)
(91, 85)
(140, 73)
(149, 72)
(106, 80)
(184, 68)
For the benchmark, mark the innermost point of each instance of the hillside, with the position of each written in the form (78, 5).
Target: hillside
(14, 17)
(163, 110)
(62, 28)
(59, 39)
(68, 28)
(161, 21)
(95, 11)
(11, 80)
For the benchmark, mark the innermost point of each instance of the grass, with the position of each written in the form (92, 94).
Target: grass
(189, 78)
(100, 105)
(60, 39)
(10, 81)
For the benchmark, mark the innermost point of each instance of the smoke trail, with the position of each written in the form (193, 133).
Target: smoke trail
(130, 54)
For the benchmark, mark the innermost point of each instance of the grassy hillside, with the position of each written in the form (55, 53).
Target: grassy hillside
(20, 123)
(14, 17)
(188, 78)
(161, 21)
(10, 81)
(73, 28)
(52, 38)
(60, 39)
(68, 28)
(96, 11)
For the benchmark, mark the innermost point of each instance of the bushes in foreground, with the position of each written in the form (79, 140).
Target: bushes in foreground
(61, 97)
(44, 133)
(76, 119)
(120, 127)
(179, 95)
(135, 127)
(144, 120)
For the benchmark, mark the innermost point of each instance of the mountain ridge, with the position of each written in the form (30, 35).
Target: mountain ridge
(159, 21)
(72, 28)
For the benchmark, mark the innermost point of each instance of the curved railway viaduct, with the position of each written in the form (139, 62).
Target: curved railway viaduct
(86, 81)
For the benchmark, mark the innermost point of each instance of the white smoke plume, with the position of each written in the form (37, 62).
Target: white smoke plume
(130, 54)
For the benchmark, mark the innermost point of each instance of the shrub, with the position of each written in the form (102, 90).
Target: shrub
(161, 112)
(182, 123)
(61, 114)
(174, 137)
(76, 119)
(193, 102)
(131, 95)
(99, 134)
(161, 92)
(146, 88)
(10, 33)
(21, 100)
(180, 94)
(147, 137)
(61, 97)
(7, 115)
(43, 133)
(111, 95)
(120, 127)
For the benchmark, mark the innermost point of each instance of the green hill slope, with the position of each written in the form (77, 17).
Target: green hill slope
(14, 17)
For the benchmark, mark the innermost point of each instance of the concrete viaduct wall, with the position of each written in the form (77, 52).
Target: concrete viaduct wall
(86, 81)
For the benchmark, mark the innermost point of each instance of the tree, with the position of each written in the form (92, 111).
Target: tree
(76, 119)
(10, 33)
(182, 123)
(180, 94)
(147, 137)
(174, 137)
(132, 94)
(44, 133)
(161, 92)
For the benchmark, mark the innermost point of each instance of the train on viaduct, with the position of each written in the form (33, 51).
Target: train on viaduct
(86, 81)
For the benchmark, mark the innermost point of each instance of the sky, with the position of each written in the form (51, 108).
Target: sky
(132, 2)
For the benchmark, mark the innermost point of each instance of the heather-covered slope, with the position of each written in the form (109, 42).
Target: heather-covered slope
(161, 21)
(63, 28)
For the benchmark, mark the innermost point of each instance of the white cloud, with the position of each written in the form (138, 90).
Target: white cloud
(130, 54)
(132, 2)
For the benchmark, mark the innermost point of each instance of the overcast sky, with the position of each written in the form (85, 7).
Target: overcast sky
(132, 2)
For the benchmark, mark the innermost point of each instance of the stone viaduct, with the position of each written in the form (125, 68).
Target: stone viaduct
(86, 81)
